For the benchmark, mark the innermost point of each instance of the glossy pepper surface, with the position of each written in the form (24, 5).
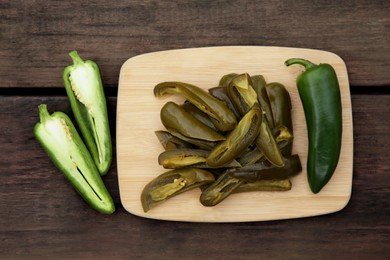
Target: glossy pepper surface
(59, 138)
(319, 91)
(244, 96)
(237, 140)
(173, 183)
(223, 118)
(176, 118)
(84, 88)
(266, 171)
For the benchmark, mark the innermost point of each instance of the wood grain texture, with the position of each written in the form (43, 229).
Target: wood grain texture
(136, 103)
(37, 35)
(41, 215)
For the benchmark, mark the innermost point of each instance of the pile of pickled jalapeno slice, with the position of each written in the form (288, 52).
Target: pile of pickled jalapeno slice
(236, 137)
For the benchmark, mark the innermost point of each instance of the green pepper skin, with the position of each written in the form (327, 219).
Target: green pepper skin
(173, 183)
(221, 93)
(199, 143)
(170, 142)
(59, 138)
(259, 85)
(225, 80)
(219, 190)
(85, 91)
(280, 105)
(265, 185)
(266, 171)
(223, 118)
(241, 93)
(179, 158)
(319, 91)
(199, 114)
(281, 112)
(244, 96)
(237, 140)
(175, 117)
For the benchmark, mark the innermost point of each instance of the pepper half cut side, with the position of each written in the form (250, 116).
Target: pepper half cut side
(84, 88)
(61, 141)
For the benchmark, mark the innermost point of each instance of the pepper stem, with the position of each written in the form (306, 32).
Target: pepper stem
(43, 113)
(75, 58)
(307, 64)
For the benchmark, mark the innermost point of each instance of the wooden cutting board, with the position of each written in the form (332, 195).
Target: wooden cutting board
(138, 118)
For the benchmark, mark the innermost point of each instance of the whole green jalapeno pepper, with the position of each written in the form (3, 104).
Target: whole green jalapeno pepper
(61, 141)
(173, 183)
(319, 91)
(84, 88)
(223, 118)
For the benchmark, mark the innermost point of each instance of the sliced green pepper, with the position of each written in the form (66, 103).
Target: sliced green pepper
(175, 117)
(319, 91)
(259, 84)
(264, 185)
(178, 158)
(222, 116)
(243, 96)
(225, 80)
(250, 156)
(221, 94)
(59, 138)
(200, 115)
(237, 140)
(170, 142)
(280, 105)
(266, 171)
(202, 144)
(219, 190)
(86, 95)
(172, 183)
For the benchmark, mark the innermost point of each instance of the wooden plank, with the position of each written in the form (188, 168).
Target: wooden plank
(41, 216)
(37, 35)
(136, 102)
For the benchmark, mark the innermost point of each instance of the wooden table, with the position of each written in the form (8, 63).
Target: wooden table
(41, 216)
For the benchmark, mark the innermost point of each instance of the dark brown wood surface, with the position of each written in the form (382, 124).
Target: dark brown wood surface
(41, 216)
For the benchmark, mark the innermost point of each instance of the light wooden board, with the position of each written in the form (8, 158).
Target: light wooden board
(138, 118)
